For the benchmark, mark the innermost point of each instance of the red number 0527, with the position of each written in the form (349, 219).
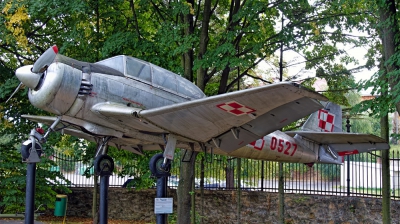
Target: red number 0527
(281, 145)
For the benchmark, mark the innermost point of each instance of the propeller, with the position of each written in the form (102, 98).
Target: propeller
(15, 91)
(45, 60)
(30, 75)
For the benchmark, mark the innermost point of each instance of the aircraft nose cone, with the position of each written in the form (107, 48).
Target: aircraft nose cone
(27, 77)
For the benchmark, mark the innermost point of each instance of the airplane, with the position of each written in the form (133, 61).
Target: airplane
(135, 105)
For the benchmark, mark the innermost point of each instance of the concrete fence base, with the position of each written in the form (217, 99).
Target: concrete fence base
(221, 207)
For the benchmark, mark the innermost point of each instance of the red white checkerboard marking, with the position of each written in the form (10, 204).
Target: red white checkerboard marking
(326, 120)
(259, 144)
(235, 108)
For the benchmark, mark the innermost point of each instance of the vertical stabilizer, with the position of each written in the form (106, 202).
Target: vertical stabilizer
(328, 119)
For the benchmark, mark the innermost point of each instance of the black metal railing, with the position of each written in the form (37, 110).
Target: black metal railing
(362, 179)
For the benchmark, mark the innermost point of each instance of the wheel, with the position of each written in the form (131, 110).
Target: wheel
(156, 166)
(104, 165)
(26, 148)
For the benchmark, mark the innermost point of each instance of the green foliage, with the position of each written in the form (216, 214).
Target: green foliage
(363, 117)
(329, 172)
(13, 178)
(66, 166)
(126, 164)
(394, 151)
(378, 106)
(240, 33)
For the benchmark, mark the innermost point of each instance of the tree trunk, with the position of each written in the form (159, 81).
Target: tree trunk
(223, 83)
(188, 56)
(95, 213)
(389, 30)
(385, 163)
(186, 179)
(230, 176)
(202, 72)
(385, 173)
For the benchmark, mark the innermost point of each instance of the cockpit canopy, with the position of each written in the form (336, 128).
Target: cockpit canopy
(153, 75)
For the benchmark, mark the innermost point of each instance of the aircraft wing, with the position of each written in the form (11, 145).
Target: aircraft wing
(345, 143)
(233, 120)
(229, 121)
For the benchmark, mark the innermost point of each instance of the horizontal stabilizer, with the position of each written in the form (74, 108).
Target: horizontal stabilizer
(344, 143)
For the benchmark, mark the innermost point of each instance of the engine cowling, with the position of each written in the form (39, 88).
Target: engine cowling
(57, 89)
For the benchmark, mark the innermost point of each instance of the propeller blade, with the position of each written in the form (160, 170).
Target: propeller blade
(45, 60)
(15, 91)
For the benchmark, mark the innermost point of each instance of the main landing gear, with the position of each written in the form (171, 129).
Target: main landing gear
(161, 171)
(160, 167)
(104, 167)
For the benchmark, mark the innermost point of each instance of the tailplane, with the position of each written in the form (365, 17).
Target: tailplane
(328, 119)
(322, 133)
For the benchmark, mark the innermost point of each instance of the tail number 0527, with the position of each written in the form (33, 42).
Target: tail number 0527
(281, 145)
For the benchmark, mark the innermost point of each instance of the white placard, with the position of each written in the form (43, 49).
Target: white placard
(163, 205)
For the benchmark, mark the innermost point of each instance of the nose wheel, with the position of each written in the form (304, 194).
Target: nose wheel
(26, 151)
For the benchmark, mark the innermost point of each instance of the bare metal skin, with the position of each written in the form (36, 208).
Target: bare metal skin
(140, 106)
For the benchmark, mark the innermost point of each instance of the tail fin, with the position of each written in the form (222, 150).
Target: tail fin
(328, 119)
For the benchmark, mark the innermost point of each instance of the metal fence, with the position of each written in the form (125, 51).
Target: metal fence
(359, 175)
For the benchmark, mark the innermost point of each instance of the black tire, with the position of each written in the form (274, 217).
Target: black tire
(104, 165)
(155, 166)
(26, 148)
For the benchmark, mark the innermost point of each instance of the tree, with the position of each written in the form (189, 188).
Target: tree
(218, 44)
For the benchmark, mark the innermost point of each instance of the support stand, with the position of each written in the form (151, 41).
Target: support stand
(104, 183)
(162, 193)
(30, 193)
(160, 168)
(104, 166)
(31, 151)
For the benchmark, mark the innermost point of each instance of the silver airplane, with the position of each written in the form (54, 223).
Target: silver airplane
(135, 105)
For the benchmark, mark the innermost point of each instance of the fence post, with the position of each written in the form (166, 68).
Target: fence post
(262, 175)
(239, 179)
(348, 125)
(281, 197)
